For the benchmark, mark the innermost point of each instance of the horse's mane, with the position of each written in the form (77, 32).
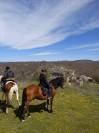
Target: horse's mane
(57, 82)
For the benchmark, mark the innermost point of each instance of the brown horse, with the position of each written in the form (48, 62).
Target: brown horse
(35, 92)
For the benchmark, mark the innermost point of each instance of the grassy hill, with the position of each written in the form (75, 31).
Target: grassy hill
(76, 110)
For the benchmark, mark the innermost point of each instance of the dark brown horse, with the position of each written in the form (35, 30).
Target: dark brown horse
(35, 92)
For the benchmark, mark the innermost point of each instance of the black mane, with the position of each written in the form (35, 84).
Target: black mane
(57, 82)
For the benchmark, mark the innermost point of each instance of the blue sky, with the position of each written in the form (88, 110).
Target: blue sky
(36, 30)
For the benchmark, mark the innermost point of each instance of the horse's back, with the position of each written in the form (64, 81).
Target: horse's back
(32, 89)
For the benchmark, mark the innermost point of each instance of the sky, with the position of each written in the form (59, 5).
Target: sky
(49, 30)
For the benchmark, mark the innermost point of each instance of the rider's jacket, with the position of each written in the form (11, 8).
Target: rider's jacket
(43, 80)
(8, 74)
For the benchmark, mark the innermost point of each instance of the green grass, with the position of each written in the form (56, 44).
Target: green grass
(76, 110)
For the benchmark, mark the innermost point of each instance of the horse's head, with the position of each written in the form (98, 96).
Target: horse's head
(62, 82)
(58, 82)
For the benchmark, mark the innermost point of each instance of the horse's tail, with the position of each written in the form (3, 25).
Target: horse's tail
(23, 97)
(21, 108)
(9, 95)
(9, 98)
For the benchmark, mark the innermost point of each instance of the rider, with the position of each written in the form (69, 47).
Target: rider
(8, 75)
(44, 83)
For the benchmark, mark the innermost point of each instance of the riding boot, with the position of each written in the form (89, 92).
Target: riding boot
(43, 91)
(49, 93)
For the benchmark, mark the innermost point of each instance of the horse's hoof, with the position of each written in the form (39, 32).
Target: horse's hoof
(6, 112)
(22, 120)
(46, 106)
(50, 111)
(29, 116)
(46, 109)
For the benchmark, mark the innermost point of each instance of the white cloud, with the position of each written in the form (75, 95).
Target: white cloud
(28, 24)
(91, 25)
(83, 46)
(94, 49)
(45, 53)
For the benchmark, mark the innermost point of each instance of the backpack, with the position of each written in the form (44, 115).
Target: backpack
(10, 74)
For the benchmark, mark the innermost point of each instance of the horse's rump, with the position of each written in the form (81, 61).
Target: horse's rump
(31, 90)
(8, 86)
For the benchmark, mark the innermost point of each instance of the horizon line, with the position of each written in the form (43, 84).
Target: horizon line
(47, 61)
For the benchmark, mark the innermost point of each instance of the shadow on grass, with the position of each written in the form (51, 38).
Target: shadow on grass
(32, 109)
(37, 108)
(3, 106)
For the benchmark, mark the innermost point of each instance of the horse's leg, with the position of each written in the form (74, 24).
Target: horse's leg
(28, 112)
(8, 100)
(6, 106)
(47, 103)
(50, 105)
(6, 109)
(24, 110)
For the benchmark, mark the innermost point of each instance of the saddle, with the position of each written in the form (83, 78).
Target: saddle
(4, 82)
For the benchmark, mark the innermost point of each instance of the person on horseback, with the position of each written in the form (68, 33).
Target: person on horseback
(44, 83)
(8, 75)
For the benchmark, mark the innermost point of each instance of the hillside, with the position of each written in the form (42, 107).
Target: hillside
(30, 70)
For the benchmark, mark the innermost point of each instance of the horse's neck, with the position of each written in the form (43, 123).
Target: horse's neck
(54, 86)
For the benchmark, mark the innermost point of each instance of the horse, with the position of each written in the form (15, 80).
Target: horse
(32, 92)
(8, 89)
(75, 80)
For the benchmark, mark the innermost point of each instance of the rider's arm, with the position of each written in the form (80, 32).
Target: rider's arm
(45, 79)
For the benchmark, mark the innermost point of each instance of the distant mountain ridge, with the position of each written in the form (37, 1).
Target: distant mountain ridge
(30, 70)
